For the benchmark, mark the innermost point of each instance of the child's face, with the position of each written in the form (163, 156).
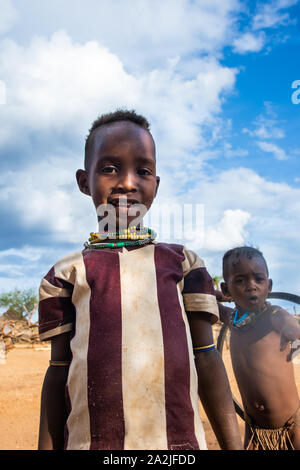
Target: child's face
(122, 169)
(248, 284)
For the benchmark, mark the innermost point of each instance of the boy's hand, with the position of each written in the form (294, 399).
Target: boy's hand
(295, 351)
(290, 333)
(221, 297)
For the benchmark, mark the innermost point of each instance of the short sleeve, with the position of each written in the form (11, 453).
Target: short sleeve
(56, 310)
(198, 289)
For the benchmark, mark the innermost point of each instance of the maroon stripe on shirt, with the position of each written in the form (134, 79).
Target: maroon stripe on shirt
(54, 312)
(179, 410)
(198, 281)
(57, 282)
(105, 350)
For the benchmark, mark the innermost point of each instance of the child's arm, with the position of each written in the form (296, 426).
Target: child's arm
(224, 312)
(286, 325)
(53, 409)
(213, 387)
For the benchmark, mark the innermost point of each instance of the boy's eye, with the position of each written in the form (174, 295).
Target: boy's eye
(144, 171)
(109, 169)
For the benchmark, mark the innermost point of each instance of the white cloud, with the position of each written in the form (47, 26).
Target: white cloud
(242, 188)
(266, 131)
(54, 84)
(249, 42)
(229, 152)
(270, 14)
(61, 86)
(267, 126)
(8, 15)
(27, 253)
(274, 149)
(141, 33)
(53, 202)
(2, 93)
(276, 204)
(24, 267)
(228, 232)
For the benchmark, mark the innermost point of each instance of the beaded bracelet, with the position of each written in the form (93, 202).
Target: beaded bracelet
(204, 348)
(60, 363)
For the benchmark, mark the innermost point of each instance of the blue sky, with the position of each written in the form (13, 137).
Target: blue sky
(215, 80)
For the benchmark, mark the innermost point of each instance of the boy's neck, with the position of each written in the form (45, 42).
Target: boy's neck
(242, 311)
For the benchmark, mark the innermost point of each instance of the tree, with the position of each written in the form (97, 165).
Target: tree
(20, 303)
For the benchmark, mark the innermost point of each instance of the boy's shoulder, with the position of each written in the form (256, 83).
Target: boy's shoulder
(275, 309)
(66, 266)
(190, 259)
(69, 259)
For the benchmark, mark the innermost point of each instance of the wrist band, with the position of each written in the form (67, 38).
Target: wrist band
(60, 363)
(204, 348)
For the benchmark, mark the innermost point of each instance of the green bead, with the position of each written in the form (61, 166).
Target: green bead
(136, 237)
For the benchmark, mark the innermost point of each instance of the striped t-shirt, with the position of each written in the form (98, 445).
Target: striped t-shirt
(132, 382)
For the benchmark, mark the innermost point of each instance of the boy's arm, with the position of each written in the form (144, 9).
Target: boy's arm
(213, 385)
(224, 312)
(53, 408)
(286, 325)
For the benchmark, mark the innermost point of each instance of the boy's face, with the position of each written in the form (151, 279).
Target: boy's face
(248, 284)
(122, 170)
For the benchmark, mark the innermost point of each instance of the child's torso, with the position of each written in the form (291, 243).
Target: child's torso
(264, 376)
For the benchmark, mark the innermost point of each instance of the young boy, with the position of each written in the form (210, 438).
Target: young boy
(122, 315)
(260, 333)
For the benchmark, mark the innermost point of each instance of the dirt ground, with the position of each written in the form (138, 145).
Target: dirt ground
(21, 379)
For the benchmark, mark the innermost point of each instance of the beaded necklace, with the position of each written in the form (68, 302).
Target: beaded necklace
(247, 320)
(131, 236)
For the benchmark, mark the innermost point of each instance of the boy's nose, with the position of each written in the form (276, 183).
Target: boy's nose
(128, 182)
(251, 285)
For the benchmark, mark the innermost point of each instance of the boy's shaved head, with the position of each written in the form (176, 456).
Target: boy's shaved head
(110, 118)
(232, 258)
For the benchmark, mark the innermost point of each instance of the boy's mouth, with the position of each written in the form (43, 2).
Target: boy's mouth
(255, 302)
(123, 202)
(253, 298)
(126, 207)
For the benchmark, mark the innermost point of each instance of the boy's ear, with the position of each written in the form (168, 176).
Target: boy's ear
(157, 184)
(82, 181)
(270, 285)
(224, 289)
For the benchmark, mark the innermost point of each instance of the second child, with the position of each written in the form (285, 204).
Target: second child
(260, 333)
